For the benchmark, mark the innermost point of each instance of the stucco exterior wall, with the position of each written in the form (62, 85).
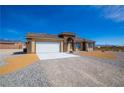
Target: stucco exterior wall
(89, 47)
(61, 46)
(67, 43)
(11, 45)
(29, 47)
(33, 48)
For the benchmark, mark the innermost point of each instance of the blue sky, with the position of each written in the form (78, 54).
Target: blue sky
(104, 24)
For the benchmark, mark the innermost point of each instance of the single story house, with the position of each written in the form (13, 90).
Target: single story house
(64, 42)
(9, 44)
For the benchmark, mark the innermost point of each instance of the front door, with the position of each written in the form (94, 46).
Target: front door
(69, 45)
(84, 46)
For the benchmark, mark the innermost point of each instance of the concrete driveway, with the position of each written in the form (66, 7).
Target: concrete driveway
(46, 56)
(77, 71)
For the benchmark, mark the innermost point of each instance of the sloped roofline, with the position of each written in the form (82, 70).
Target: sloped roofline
(54, 36)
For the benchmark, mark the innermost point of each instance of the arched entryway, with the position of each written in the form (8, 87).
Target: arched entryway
(70, 44)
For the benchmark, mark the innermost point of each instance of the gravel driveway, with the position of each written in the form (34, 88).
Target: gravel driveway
(78, 72)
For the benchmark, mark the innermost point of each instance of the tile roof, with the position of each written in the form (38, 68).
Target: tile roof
(42, 35)
(78, 39)
(87, 40)
(45, 35)
(67, 33)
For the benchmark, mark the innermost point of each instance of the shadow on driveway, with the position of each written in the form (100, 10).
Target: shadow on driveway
(20, 52)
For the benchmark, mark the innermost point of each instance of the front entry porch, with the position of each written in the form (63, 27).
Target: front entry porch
(71, 45)
(84, 46)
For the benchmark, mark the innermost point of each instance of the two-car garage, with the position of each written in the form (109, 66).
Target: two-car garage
(47, 47)
(50, 50)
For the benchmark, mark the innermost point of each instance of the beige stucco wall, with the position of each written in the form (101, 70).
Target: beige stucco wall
(77, 49)
(61, 46)
(89, 48)
(33, 47)
(29, 47)
(11, 45)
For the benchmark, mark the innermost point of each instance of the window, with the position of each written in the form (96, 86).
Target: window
(78, 45)
(90, 45)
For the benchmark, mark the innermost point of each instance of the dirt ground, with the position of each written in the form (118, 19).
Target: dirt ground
(69, 72)
(91, 69)
(13, 62)
(99, 54)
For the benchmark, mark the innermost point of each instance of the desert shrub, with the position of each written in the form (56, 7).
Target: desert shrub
(111, 48)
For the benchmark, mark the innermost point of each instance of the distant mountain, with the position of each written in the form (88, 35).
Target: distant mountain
(107, 45)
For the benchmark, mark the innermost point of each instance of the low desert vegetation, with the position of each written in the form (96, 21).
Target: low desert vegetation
(110, 48)
(99, 54)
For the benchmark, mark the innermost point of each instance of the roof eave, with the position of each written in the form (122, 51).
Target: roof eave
(42, 38)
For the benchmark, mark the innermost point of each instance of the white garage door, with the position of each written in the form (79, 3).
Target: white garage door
(47, 47)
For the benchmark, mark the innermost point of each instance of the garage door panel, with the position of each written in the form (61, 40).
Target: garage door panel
(47, 47)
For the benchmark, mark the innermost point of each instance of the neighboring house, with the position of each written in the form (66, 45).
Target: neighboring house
(64, 42)
(8, 44)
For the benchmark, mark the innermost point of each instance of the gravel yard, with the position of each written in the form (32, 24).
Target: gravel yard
(78, 72)
(4, 53)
